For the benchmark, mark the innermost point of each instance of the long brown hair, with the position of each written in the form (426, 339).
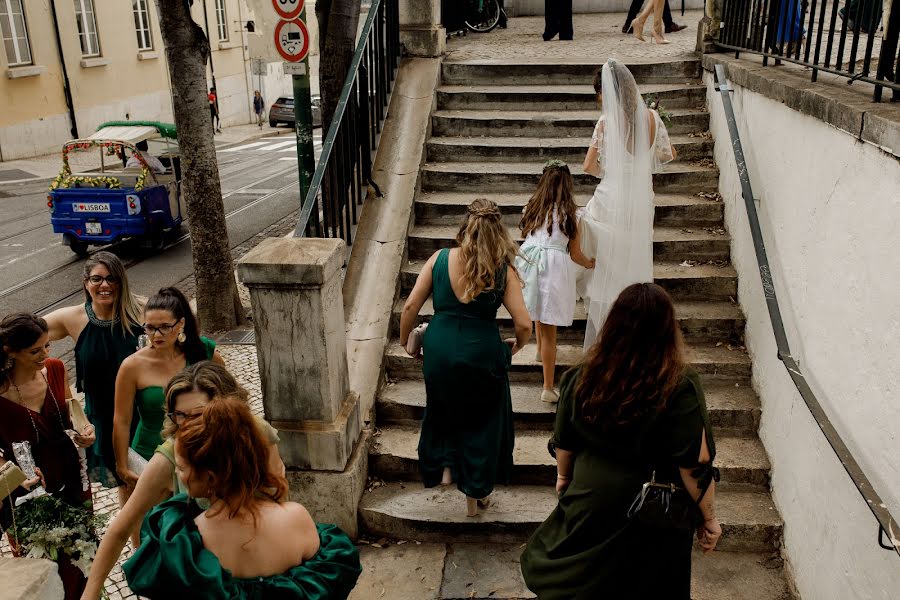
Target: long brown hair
(637, 362)
(554, 199)
(484, 247)
(18, 331)
(225, 442)
(127, 307)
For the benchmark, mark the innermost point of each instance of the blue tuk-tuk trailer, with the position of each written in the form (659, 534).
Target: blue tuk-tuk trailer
(123, 198)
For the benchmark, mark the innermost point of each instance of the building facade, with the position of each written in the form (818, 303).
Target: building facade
(69, 65)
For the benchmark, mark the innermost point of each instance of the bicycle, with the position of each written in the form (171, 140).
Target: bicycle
(483, 15)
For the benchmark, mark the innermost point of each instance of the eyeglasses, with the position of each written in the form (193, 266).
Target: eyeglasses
(178, 417)
(98, 279)
(165, 329)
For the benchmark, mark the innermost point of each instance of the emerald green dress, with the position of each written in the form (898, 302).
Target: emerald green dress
(588, 548)
(99, 351)
(468, 423)
(150, 403)
(172, 563)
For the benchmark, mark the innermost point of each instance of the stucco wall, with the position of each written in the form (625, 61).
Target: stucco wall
(830, 213)
(536, 7)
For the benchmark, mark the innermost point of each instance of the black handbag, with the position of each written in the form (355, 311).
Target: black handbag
(665, 506)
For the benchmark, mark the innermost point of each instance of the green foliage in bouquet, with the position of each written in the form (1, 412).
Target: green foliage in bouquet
(46, 527)
(654, 104)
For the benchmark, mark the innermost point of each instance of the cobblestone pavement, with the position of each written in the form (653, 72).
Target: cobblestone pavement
(597, 37)
(241, 361)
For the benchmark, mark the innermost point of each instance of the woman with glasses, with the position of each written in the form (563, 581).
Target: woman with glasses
(186, 395)
(105, 329)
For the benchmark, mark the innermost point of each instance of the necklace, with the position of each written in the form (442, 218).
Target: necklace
(21, 402)
(93, 318)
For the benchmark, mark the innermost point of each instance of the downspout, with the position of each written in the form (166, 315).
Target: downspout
(248, 76)
(212, 69)
(67, 90)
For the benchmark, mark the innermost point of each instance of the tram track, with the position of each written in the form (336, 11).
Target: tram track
(139, 259)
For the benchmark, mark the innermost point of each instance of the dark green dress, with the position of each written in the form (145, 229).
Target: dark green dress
(172, 563)
(468, 422)
(99, 351)
(588, 548)
(150, 405)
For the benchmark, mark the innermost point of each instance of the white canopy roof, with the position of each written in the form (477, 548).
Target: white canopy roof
(130, 133)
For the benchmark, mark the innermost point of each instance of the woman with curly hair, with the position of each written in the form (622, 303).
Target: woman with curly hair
(467, 432)
(632, 411)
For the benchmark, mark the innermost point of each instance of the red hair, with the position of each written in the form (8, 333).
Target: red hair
(226, 443)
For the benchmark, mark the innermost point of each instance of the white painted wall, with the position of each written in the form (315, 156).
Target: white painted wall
(536, 7)
(35, 137)
(830, 214)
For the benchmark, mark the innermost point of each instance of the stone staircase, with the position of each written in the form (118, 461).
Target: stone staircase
(493, 127)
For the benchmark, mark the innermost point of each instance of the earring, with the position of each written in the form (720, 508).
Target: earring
(9, 364)
(181, 337)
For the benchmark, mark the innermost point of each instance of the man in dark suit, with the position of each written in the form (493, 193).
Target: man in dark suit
(557, 19)
(671, 26)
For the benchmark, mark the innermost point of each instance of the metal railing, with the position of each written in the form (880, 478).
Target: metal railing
(340, 182)
(887, 524)
(819, 34)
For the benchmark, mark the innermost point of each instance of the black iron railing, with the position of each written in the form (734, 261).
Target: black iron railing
(340, 182)
(887, 525)
(834, 36)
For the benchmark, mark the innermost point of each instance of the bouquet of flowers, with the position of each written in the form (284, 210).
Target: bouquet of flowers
(654, 104)
(46, 527)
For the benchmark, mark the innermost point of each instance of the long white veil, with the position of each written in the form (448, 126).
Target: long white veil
(618, 223)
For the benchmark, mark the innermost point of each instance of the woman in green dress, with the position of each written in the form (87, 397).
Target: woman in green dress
(631, 408)
(174, 343)
(105, 329)
(186, 395)
(467, 432)
(248, 543)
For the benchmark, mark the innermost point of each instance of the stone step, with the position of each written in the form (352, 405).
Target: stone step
(405, 510)
(394, 456)
(698, 282)
(717, 362)
(669, 243)
(700, 321)
(541, 124)
(558, 97)
(497, 72)
(733, 411)
(477, 177)
(533, 149)
(682, 210)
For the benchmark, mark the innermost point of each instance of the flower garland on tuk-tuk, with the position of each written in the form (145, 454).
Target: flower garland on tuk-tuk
(65, 179)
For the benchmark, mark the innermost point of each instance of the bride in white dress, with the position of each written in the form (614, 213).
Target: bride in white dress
(630, 143)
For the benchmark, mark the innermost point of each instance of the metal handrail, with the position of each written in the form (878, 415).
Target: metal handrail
(346, 159)
(753, 26)
(887, 524)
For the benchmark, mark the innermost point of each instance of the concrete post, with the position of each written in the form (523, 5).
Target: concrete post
(421, 32)
(298, 315)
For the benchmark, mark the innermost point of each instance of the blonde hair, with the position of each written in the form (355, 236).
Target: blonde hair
(207, 377)
(127, 308)
(484, 247)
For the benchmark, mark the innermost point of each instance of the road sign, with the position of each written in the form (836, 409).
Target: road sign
(288, 9)
(292, 68)
(292, 40)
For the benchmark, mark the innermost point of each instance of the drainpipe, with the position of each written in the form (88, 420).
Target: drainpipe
(212, 69)
(67, 89)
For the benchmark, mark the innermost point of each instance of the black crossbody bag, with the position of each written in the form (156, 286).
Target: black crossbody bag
(666, 506)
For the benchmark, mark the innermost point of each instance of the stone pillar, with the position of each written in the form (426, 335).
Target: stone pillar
(421, 32)
(298, 316)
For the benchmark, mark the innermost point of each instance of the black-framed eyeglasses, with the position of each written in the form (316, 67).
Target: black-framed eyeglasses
(178, 417)
(98, 279)
(164, 329)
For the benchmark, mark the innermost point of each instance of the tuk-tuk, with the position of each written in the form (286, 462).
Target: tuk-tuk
(125, 197)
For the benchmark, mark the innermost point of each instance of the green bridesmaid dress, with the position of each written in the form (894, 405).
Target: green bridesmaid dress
(150, 403)
(172, 563)
(468, 424)
(588, 548)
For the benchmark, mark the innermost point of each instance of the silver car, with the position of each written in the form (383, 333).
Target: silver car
(283, 111)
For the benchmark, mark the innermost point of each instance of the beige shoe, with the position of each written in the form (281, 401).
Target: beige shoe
(549, 396)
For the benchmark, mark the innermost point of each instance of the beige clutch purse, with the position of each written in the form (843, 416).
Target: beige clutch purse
(80, 421)
(11, 477)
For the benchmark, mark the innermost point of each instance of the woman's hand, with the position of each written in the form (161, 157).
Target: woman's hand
(513, 346)
(86, 438)
(128, 476)
(708, 534)
(562, 483)
(37, 480)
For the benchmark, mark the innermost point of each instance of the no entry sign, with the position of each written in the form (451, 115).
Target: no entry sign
(292, 39)
(288, 9)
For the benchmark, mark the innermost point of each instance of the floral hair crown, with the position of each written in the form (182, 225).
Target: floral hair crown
(555, 163)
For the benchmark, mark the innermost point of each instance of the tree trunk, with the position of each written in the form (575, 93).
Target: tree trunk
(187, 50)
(337, 41)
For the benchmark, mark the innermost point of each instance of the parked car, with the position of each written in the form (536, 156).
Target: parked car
(283, 111)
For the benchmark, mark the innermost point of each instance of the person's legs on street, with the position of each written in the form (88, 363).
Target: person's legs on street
(551, 20)
(633, 11)
(566, 31)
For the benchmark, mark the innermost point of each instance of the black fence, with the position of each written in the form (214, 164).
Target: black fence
(844, 38)
(344, 171)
